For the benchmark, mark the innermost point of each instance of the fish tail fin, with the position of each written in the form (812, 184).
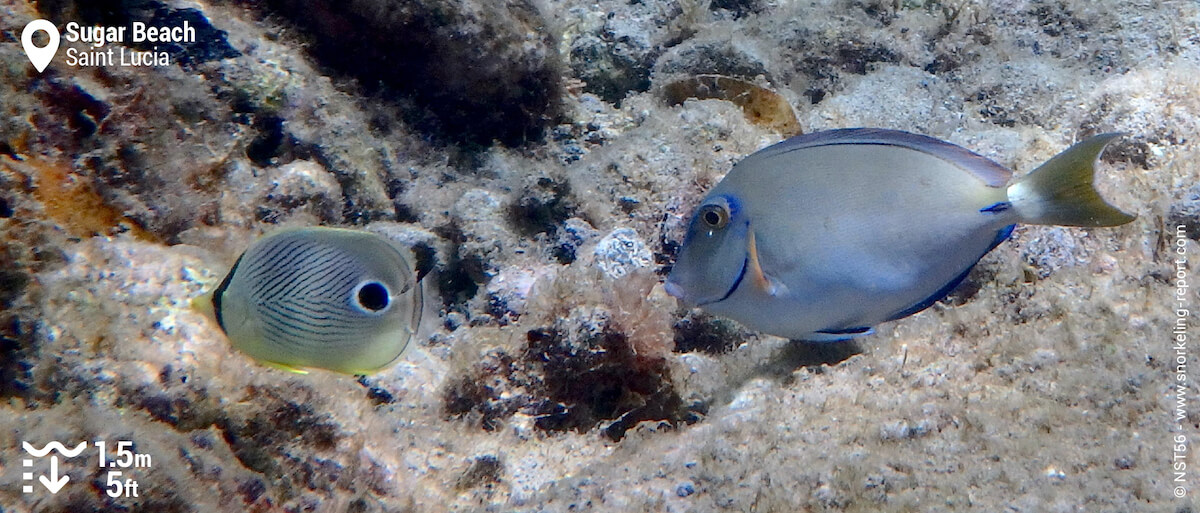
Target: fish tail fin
(1060, 192)
(203, 304)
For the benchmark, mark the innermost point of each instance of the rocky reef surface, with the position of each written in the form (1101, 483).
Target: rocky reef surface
(542, 159)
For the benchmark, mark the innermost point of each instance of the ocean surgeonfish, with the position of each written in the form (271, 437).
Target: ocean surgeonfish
(825, 235)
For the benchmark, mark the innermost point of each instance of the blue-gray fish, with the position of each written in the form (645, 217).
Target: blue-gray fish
(330, 298)
(825, 235)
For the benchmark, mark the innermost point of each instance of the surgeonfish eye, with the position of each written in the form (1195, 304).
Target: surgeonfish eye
(714, 216)
(711, 261)
(372, 296)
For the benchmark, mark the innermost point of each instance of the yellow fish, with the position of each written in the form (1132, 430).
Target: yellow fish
(329, 298)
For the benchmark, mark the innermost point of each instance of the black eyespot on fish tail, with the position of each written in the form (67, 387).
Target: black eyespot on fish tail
(373, 296)
(217, 294)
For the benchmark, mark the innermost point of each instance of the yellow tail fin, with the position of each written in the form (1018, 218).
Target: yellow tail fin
(1060, 192)
(203, 304)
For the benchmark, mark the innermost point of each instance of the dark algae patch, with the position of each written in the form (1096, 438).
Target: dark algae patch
(599, 381)
(569, 381)
(474, 73)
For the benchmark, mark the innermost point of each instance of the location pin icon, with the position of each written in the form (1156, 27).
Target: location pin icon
(40, 57)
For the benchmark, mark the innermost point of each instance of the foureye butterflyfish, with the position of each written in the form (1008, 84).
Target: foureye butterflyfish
(825, 235)
(330, 298)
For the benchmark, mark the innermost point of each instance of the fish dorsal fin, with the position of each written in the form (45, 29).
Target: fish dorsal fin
(991, 173)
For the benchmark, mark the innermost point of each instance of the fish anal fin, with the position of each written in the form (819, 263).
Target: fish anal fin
(839, 335)
(1001, 236)
(283, 367)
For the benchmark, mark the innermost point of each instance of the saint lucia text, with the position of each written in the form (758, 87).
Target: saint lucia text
(120, 57)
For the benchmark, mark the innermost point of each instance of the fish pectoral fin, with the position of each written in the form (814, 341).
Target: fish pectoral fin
(839, 335)
(284, 367)
(762, 282)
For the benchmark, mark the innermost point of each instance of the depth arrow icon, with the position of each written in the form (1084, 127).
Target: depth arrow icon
(55, 482)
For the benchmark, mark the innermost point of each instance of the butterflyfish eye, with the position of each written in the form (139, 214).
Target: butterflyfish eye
(715, 216)
(372, 296)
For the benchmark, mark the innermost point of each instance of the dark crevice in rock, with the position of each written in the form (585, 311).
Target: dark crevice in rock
(459, 281)
(485, 470)
(265, 147)
(69, 101)
(472, 67)
(738, 8)
(542, 208)
(17, 348)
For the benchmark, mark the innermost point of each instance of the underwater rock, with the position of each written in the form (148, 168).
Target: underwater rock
(131, 156)
(698, 331)
(301, 184)
(735, 58)
(762, 106)
(591, 377)
(574, 234)
(482, 238)
(622, 252)
(483, 71)
(613, 50)
(543, 206)
(737, 8)
(485, 470)
(1186, 213)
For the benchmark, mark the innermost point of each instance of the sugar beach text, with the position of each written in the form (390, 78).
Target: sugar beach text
(100, 35)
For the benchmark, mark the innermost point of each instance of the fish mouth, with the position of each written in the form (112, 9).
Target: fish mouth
(676, 290)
